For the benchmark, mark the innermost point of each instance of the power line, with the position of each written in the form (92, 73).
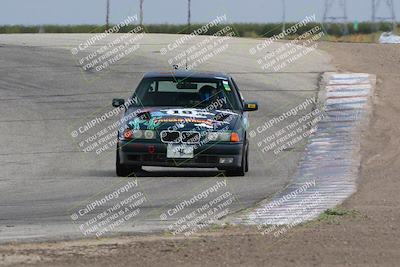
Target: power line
(330, 16)
(283, 15)
(108, 14)
(141, 11)
(189, 12)
(389, 15)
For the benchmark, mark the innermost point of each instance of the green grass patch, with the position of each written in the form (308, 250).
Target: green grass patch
(333, 215)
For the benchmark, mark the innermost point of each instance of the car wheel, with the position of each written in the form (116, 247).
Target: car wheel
(242, 169)
(121, 169)
(124, 171)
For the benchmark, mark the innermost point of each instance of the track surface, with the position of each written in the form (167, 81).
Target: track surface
(43, 92)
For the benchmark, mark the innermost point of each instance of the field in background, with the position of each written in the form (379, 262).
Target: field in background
(363, 32)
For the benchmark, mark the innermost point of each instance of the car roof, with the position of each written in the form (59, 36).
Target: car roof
(187, 74)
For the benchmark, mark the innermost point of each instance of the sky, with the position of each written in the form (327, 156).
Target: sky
(36, 12)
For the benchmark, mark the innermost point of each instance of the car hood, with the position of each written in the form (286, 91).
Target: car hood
(175, 118)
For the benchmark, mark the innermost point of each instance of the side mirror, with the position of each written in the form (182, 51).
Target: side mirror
(117, 102)
(250, 106)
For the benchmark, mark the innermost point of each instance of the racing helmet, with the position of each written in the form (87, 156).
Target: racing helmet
(207, 93)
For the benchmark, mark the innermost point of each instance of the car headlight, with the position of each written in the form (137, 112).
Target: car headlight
(223, 137)
(149, 134)
(139, 134)
(213, 136)
(128, 134)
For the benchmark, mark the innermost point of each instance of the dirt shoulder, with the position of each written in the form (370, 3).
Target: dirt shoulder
(369, 236)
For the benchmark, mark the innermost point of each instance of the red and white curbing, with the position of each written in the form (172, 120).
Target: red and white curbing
(329, 169)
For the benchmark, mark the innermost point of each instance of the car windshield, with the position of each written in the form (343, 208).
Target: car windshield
(187, 93)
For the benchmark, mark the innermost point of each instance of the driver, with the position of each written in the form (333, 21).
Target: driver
(208, 93)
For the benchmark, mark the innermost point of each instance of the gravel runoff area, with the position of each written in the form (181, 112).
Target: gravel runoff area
(366, 234)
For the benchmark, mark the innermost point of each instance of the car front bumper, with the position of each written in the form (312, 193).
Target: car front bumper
(155, 154)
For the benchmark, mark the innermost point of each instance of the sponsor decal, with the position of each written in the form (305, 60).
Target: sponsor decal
(150, 124)
(226, 86)
(184, 120)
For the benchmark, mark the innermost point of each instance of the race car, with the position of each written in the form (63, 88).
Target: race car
(184, 119)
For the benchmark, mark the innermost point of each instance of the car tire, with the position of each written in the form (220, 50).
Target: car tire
(241, 171)
(123, 170)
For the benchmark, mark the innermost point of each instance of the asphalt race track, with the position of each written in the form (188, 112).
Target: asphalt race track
(45, 94)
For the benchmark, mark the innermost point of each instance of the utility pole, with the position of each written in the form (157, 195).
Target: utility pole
(332, 17)
(108, 15)
(283, 15)
(389, 16)
(141, 12)
(189, 13)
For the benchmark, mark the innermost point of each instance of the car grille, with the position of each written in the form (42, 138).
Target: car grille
(187, 137)
(170, 136)
(190, 137)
